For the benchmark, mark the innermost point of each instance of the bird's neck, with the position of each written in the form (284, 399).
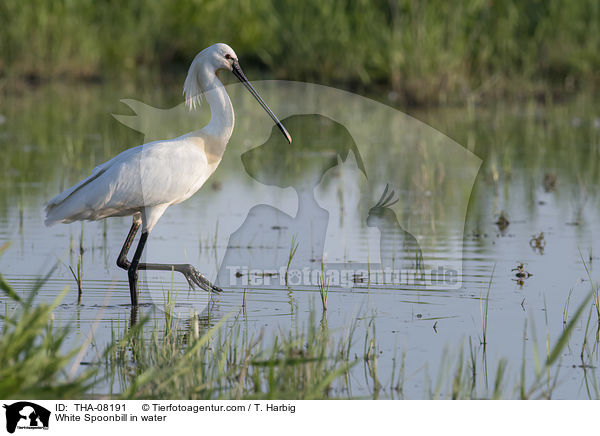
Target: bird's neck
(222, 118)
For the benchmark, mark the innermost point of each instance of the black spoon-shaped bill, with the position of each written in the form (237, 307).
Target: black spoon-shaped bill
(237, 72)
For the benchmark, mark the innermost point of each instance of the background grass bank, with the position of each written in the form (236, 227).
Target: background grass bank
(422, 52)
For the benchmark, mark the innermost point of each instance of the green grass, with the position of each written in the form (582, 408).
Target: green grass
(595, 289)
(323, 286)
(424, 52)
(566, 308)
(293, 248)
(224, 362)
(78, 278)
(244, 300)
(33, 362)
(484, 310)
(197, 359)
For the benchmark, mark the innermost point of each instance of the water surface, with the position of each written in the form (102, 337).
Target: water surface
(539, 168)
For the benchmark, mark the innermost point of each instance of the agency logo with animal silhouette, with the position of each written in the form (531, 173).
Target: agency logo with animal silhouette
(362, 186)
(319, 143)
(25, 415)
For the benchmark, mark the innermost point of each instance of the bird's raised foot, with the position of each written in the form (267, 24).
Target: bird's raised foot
(194, 277)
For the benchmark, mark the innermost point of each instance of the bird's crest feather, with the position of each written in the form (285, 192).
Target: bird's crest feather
(191, 88)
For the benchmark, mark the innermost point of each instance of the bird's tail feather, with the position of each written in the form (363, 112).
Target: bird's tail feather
(67, 206)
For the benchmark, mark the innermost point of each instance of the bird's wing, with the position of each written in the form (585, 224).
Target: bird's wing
(171, 171)
(161, 172)
(96, 172)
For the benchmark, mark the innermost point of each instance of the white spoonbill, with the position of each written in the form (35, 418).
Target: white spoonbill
(143, 181)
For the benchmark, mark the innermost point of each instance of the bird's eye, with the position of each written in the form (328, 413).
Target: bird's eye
(227, 56)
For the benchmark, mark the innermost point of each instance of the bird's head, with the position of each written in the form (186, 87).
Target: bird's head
(215, 58)
(221, 57)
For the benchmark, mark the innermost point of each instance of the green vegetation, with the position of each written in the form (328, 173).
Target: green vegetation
(32, 361)
(323, 286)
(425, 52)
(199, 360)
(484, 310)
(411, 52)
(224, 362)
(293, 247)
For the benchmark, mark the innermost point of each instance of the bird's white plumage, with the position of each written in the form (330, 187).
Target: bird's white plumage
(145, 180)
(147, 176)
(153, 176)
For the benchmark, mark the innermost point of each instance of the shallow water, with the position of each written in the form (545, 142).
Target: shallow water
(52, 137)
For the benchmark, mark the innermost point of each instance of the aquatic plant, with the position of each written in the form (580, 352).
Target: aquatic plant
(33, 360)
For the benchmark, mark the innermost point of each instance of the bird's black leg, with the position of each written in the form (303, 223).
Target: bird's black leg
(133, 316)
(122, 261)
(132, 271)
(192, 275)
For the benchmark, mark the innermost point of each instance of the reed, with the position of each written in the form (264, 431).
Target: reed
(423, 51)
(224, 362)
(293, 248)
(199, 358)
(484, 310)
(78, 278)
(33, 351)
(323, 286)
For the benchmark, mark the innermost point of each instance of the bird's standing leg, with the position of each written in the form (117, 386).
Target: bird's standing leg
(132, 271)
(133, 316)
